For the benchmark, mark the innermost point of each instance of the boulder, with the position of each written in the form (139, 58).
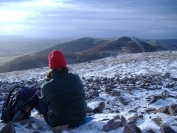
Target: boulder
(116, 93)
(172, 109)
(60, 129)
(158, 121)
(162, 110)
(165, 128)
(148, 110)
(8, 128)
(112, 124)
(99, 108)
(131, 128)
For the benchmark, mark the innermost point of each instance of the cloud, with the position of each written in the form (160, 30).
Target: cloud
(12, 27)
(8, 15)
(80, 17)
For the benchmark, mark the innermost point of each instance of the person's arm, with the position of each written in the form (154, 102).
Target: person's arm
(43, 93)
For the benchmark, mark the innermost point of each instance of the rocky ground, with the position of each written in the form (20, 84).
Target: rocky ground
(129, 94)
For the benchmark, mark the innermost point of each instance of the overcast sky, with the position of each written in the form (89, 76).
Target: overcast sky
(153, 19)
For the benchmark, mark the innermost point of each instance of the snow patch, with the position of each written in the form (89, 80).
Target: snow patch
(137, 41)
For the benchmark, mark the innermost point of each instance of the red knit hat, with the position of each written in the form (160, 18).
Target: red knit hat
(56, 59)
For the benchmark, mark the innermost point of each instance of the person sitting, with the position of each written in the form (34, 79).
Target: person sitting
(61, 99)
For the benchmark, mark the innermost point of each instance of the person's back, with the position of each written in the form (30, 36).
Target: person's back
(63, 94)
(65, 99)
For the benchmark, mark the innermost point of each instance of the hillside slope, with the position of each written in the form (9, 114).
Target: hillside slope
(138, 88)
(119, 46)
(39, 59)
(86, 49)
(163, 44)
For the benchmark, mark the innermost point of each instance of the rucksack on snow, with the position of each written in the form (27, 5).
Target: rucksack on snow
(19, 103)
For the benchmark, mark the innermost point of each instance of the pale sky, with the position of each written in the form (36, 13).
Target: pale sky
(153, 19)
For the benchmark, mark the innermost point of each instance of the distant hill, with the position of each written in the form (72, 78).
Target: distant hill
(76, 45)
(39, 59)
(88, 49)
(113, 47)
(163, 44)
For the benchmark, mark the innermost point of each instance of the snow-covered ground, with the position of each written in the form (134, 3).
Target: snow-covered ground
(151, 65)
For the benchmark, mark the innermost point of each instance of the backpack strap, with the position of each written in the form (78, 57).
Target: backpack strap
(25, 103)
(9, 95)
(23, 110)
(6, 115)
(21, 113)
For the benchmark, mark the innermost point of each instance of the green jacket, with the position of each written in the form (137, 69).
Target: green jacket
(65, 99)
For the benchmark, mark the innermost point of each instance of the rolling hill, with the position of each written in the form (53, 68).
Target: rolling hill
(118, 46)
(88, 49)
(39, 59)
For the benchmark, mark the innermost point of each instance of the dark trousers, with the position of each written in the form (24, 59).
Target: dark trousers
(42, 108)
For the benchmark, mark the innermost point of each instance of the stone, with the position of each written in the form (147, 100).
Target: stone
(131, 128)
(174, 78)
(26, 121)
(108, 89)
(123, 101)
(165, 128)
(112, 124)
(36, 131)
(99, 108)
(95, 93)
(148, 110)
(157, 121)
(89, 110)
(172, 109)
(155, 98)
(116, 93)
(60, 129)
(8, 128)
(36, 126)
(136, 108)
(133, 118)
(169, 85)
(123, 120)
(149, 130)
(162, 110)
(167, 75)
(29, 126)
(165, 94)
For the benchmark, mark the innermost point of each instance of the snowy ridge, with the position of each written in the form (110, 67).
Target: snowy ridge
(125, 99)
(141, 63)
(137, 41)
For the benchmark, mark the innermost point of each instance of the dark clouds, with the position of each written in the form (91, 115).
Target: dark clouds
(100, 18)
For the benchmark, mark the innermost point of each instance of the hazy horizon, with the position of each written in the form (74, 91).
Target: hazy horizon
(148, 19)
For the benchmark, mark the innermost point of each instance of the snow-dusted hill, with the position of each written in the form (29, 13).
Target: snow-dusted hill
(138, 87)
